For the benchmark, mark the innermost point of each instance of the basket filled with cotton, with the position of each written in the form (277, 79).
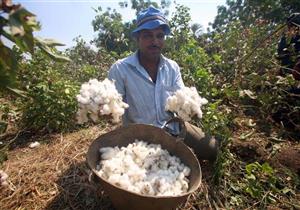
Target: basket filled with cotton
(142, 167)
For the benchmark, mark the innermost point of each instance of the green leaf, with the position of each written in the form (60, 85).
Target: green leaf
(67, 91)
(49, 42)
(17, 92)
(26, 42)
(267, 168)
(251, 177)
(16, 26)
(7, 58)
(287, 190)
(17, 21)
(8, 66)
(252, 167)
(49, 51)
(246, 135)
(22, 23)
(3, 127)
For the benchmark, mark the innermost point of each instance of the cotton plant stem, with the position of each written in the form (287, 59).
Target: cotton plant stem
(244, 58)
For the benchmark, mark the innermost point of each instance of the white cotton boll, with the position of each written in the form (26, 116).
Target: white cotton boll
(183, 115)
(186, 103)
(163, 186)
(114, 179)
(124, 105)
(116, 118)
(181, 167)
(186, 106)
(137, 174)
(3, 178)
(82, 99)
(140, 152)
(134, 189)
(93, 107)
(108, 153)
(147, 189)
(163, 164)
(199, 114)
(100, 98)
(148, 162)
(124, 181)
(81, 116)
(119, 111)
(106, 149)
(94, 117)
(106, 100)
(34, 145)
(105, 110)
(184, 186)
(84, 90)
(186, 171)
(143, 168)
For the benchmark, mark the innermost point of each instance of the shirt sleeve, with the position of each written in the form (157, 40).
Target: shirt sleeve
(178, 83)
(115, 74)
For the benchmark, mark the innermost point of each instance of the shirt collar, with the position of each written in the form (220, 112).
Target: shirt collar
(134, 61)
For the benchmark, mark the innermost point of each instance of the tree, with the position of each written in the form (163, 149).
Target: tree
(17, 26)
(86, 62)
(139, 5)
(197, 29)
(251, 11)
(180, 28)
(113, 33)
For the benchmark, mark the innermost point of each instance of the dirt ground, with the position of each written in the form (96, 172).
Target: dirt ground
(251, 144)
(56, 176)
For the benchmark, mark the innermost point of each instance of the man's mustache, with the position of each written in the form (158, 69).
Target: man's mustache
(154, 47)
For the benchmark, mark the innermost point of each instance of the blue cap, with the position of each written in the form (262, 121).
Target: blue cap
(151, 18)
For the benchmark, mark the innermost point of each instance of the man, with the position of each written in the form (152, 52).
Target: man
(288, 50)
(146, 78)
(289, 47)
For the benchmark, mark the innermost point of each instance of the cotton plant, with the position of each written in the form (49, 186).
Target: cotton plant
(186, 103)
(99, 98)
(145, 169)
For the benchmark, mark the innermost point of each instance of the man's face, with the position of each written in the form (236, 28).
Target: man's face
(151, 42)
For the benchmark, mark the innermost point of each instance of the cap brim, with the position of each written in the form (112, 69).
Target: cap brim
(152, 25)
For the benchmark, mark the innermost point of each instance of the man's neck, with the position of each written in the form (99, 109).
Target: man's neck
(148, 61)
(150, 65)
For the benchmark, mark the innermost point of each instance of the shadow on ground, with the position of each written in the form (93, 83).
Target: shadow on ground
(77, 192)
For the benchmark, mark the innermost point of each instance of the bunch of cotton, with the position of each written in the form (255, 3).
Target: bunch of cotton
(99, 98)
(144, 168)
(186, 102)
(3, 178)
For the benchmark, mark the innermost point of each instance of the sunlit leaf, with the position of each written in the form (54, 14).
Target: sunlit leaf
(48, 42)
(267, 168)
(52, 54)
